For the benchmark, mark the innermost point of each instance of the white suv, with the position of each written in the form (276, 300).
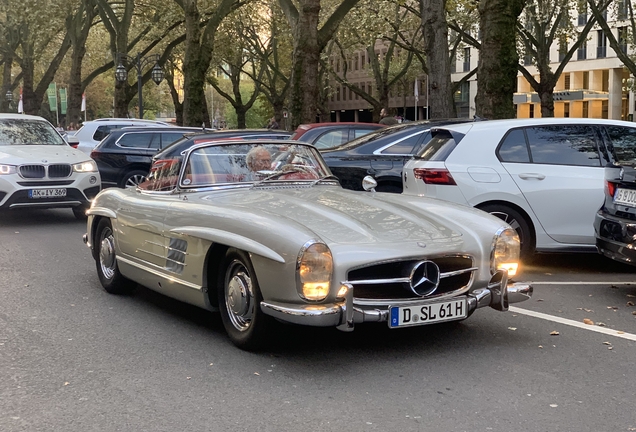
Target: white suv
(39, 169)
(92, 132)
(543, 176)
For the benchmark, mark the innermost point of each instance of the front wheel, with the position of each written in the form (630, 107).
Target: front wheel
(106, 262)
(517, 221)
(239, 302)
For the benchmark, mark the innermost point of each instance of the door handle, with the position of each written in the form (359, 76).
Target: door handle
(530, 176)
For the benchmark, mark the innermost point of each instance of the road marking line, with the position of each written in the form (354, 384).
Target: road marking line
(581, 283)
(573, 323)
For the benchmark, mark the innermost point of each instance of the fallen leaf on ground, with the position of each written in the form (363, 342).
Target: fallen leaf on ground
(631, 295)
(553, 405)
(256, 373)
(588, 310)
(554, 333)
(66, 383)
(579, 308)
(607, 343)
(630, 303)
(588, 321)
(609, 348)
(539, 299)
(634, 313)
(612, 307)
(620, 332)
(512, 328)
(541, 346)
(188, 377)
(600, 324)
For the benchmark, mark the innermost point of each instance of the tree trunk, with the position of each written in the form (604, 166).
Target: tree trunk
(498, 58)
(305, 59)
(435, 31)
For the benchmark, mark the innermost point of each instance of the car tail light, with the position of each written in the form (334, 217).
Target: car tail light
(434, 176)
(74, 145)
(610, 188)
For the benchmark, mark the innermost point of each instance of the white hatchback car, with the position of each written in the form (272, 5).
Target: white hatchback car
(543, 176)
(93, 131)
(39, 169)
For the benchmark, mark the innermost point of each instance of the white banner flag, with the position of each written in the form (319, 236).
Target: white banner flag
(20, 105)
(83, 108)
(416, 90)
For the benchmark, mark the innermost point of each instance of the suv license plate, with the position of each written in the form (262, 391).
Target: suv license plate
(625, 197)
(405, 316)
(47, 193)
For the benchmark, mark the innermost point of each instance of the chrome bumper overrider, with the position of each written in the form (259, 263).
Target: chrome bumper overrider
(344, 314)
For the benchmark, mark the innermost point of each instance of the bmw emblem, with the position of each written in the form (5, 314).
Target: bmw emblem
(424, 278)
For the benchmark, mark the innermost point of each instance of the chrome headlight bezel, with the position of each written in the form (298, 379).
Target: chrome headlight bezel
(85, 167)
(314, 271)
(6, 169)
(505, 251)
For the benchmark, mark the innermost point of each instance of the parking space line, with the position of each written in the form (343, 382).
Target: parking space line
(581, 283)
(610, 332)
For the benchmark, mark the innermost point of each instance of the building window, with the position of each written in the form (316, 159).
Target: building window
(466, 59)
(350, 94)
(605, 109)
(601, 48)
(527, 60)
(586, 108)
(355, 62)
(363, 61)
(566, 81)
(622, 38)
(338, 94)
(344, 93)
(566, 109)
(621, 10)
(338, 65)
(582, 18)
(586, 80)
(581, 53)
(605, 80)
(563, 49)
(531, 111)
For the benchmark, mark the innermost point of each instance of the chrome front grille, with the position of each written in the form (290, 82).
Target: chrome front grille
(389, 280)
(32, 171)
(40, 171)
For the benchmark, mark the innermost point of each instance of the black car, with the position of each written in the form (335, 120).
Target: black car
(125, 155)
(381, 154)
(332, 134)
(188, 141)
(615, 222)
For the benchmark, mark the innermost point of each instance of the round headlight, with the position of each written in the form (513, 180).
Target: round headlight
(505, 251)
(314, 270)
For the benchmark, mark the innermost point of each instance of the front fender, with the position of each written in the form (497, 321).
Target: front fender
(229, 239)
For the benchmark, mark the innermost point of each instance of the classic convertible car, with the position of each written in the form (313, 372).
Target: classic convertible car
(261, 231)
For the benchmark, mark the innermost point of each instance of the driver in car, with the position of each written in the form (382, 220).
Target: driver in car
(258, 159)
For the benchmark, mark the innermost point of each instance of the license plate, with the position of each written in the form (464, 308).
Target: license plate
(47, 193)
(625, 196)
(405, 316)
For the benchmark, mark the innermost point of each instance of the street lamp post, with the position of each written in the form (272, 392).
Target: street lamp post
(121, 74)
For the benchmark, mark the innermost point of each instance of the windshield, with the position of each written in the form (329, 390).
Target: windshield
(28, 132)
(253, 163)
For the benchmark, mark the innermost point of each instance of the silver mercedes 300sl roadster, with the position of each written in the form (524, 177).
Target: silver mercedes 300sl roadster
(261, 231)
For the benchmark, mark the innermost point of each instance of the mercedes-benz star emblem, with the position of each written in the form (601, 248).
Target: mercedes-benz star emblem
(424, 278)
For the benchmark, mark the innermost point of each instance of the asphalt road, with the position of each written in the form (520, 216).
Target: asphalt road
(74, 358)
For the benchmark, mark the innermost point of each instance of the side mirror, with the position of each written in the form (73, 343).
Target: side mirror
(369, 183)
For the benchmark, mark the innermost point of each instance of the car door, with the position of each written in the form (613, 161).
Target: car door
(563, 181)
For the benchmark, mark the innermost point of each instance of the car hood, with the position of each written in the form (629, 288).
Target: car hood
(341, 216)
(47, 154)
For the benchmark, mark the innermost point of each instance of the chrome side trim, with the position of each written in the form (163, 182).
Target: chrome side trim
(157, 272)
(381, 149)
(54, 203)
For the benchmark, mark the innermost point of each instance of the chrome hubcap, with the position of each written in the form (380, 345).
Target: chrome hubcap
(107, 254)
(135, 180)
(239, 296)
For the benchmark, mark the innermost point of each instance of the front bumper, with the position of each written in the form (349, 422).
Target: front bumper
(345, 313)
(615, 237)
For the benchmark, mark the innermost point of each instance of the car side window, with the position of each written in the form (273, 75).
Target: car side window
(359, 132)
(564, 145)
(101, 132)
(404, 147)
(332, 138)
(136, 140)
(168, 138)
(622, 144)
(514, 147)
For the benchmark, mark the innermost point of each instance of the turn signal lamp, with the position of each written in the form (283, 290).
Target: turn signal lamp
(611, 188)
(314, 271)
